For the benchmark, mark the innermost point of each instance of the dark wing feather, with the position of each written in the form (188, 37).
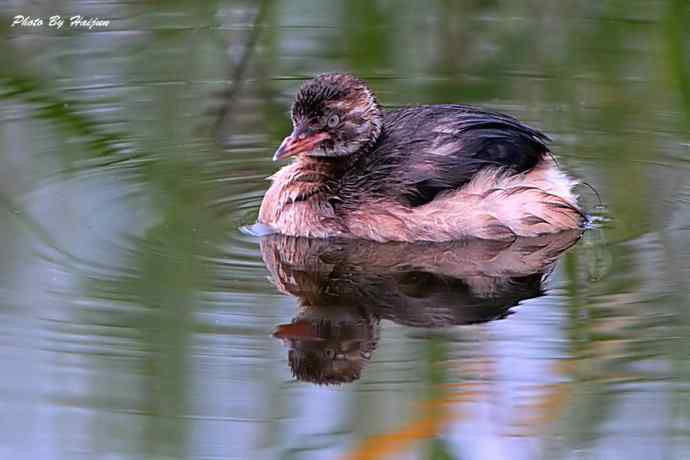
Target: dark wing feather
(436, 148)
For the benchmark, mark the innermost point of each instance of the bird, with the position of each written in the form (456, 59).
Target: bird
(420, 173)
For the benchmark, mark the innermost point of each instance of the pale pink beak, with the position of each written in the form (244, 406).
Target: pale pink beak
(293, 145)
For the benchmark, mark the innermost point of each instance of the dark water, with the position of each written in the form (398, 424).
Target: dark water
(136, 320)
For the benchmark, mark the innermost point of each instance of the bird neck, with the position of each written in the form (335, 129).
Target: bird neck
(323, 169)
(312, 177)
(318, 175)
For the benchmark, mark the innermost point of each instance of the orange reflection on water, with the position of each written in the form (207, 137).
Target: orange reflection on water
(436, 415)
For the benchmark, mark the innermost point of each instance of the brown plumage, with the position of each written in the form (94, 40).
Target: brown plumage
(432, 173)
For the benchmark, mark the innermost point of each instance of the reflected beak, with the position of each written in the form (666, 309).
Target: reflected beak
(295, 144)
(300, 330)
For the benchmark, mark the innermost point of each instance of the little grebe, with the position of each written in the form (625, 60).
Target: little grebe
(429, 173)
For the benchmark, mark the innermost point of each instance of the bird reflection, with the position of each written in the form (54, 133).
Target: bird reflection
(346, 287)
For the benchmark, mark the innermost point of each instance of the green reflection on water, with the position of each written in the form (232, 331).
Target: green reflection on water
(127, 256)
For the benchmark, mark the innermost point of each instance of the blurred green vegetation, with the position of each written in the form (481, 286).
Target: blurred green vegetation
(160, 129)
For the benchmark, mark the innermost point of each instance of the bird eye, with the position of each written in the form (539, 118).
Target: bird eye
(333, 121)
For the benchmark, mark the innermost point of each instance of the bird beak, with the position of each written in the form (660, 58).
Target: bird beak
(297, 143)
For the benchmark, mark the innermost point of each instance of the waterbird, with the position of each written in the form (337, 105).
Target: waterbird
(422, 173)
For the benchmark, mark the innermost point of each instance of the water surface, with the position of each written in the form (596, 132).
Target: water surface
(137, 321)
